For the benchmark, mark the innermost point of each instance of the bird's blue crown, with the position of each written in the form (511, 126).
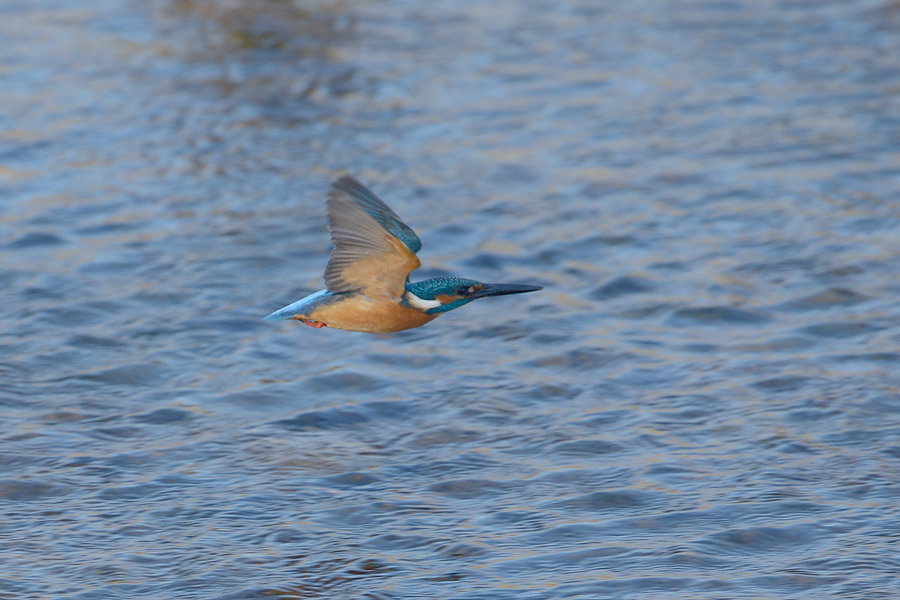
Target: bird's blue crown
(449, 286)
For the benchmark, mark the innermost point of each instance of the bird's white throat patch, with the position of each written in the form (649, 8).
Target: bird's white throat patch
(421, 303)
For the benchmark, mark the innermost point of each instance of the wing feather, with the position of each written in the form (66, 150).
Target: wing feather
(374, 251)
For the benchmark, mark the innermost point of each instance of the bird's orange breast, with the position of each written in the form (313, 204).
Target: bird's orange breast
(361, 313)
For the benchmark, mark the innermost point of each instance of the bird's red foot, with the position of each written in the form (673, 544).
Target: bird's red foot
(315, 324)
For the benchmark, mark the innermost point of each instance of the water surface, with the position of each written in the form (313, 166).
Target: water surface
(702, 403)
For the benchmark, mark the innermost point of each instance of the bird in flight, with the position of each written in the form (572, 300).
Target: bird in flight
(367, 277)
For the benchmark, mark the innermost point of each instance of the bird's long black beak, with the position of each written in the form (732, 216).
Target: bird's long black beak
(501, 289)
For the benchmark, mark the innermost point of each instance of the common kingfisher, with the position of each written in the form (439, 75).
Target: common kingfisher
(367, 277)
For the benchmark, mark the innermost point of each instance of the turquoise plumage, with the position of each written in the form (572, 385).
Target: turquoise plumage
(367, 276)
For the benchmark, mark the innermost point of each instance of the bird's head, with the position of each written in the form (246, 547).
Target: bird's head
(435, 296)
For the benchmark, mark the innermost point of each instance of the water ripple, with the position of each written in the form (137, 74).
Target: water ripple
(702, 402)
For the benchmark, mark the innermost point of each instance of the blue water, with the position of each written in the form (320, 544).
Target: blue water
(703, 402)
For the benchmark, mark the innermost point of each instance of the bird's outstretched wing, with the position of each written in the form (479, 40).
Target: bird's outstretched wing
(374, 251)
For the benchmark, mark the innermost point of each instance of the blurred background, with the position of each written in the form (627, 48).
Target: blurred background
(702, 403)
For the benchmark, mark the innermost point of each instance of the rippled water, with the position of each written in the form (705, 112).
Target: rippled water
(702, 403)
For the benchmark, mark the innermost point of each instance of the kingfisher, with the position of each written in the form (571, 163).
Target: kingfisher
(367, 284)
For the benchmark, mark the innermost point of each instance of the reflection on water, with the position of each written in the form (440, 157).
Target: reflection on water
(272, 52)
(702, 402)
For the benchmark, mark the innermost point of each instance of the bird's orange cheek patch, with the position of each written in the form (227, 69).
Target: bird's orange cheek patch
(446, 298)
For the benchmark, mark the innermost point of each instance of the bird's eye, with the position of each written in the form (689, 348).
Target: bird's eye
(466, 291)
